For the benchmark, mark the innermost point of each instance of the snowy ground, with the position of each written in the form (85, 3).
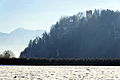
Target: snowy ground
(59, 73)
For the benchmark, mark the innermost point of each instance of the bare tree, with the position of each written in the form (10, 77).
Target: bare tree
(8, 54)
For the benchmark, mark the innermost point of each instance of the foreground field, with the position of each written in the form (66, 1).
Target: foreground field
(59, 73)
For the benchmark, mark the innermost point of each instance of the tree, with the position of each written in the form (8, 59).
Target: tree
(8, 54)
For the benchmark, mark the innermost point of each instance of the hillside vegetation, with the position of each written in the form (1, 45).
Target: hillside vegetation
(93, 36)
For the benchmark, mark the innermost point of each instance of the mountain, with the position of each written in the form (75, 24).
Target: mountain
(18, 39)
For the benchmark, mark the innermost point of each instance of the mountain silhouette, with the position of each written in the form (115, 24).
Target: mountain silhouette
(18, 39)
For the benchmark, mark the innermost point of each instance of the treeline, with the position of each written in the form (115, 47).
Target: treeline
(78, 36)
(61, 62)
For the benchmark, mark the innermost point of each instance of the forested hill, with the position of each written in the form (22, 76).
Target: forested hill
(95, 35)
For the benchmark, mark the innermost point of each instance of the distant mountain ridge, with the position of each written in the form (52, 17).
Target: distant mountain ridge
(18, 37)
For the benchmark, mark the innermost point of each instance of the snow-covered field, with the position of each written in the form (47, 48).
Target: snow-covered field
(59, 73)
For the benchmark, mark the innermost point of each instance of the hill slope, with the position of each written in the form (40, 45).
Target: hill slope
(18, 39)
(96, 35)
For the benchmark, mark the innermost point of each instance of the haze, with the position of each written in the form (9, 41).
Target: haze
(41, 14)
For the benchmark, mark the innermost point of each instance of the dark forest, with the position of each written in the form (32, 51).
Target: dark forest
(96, 35)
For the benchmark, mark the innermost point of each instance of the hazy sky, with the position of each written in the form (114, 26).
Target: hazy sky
(41, 14)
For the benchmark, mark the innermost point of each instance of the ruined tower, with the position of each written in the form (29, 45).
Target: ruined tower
(88, 14)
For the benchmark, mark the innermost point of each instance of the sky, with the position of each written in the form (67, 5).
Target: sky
(42, 14)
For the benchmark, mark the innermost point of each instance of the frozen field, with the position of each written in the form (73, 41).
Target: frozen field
(59, 73)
